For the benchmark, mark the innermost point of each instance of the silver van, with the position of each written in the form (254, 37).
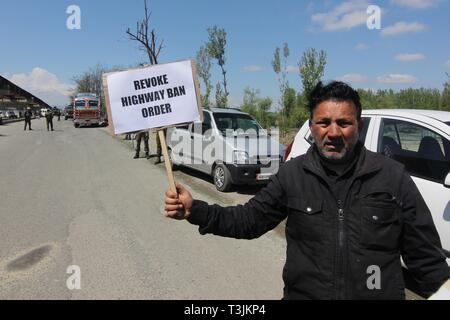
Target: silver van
(229, 145)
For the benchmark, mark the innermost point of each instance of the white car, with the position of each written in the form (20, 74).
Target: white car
(229, 145)
(420, 139)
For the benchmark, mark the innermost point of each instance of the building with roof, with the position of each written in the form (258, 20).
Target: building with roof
(14, 98)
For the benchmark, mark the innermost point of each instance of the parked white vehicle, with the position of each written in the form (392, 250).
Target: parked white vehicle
(229, 145)
(420, 139)
(43, 112)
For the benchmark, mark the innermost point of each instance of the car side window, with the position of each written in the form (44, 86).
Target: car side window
(202, 127)
(424, 153)
(206, 125)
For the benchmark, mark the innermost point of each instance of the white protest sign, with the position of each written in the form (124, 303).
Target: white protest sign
(152, 97)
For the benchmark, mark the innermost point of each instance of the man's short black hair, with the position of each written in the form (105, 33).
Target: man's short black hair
(335, 90)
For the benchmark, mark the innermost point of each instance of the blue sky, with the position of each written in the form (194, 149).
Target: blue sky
(412, 48)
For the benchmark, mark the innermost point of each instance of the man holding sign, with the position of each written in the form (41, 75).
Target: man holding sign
(351, 213)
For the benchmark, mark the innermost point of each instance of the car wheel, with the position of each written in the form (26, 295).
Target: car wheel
(77, 125)
(222, 178)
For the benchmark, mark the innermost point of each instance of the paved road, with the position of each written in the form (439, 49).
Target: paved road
(76, 197)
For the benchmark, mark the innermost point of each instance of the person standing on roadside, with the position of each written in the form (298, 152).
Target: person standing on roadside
(49, 119)
(142, 135)
(28, 114)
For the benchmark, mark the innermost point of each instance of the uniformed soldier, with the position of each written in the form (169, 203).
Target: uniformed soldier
(28, 114)
(49, 119)
(139, 136)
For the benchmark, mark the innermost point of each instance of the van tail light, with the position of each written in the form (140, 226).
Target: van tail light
(288, 151)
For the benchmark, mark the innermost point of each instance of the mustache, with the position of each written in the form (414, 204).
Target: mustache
(326, 140)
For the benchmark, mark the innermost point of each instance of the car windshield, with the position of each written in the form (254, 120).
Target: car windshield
(447, 123)
(239, 123)
(93, 103)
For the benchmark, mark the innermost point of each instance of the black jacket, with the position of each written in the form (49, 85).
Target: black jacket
(28, 114)
(338, 237)
(49, 115)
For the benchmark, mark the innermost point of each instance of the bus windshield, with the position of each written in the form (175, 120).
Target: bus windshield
(86, 104)
(79, 104)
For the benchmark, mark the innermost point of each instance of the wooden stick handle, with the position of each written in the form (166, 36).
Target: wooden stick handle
(167, 161)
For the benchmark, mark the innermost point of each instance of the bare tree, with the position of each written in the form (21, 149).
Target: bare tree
(147, 40)
(90, 81)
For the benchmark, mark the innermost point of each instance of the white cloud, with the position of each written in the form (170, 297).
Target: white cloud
(409, 56)
(44, 85)
(448, 64)
(347, 15)
(396, 78)
(253, 68)
(361, 46)
(416, 4)
(353, 77)
(402, 27)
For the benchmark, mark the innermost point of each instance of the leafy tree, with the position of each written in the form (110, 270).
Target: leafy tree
(281, 71)
(263, 112)
(203, 69)
(216, 49)
(311, 67)
(290, 101)
(256, 106)
(445, 97)
(221, 99)
(366, 98)
(250, 101)
(408, 98)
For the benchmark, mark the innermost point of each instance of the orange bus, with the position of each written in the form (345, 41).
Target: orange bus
(86, 110)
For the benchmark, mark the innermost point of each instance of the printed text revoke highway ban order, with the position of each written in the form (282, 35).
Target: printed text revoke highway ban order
(152, 97)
